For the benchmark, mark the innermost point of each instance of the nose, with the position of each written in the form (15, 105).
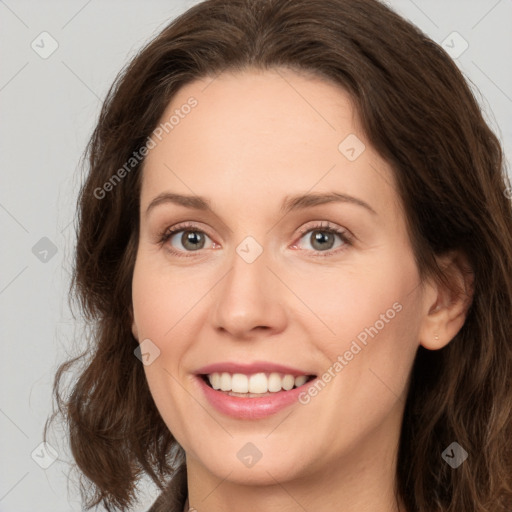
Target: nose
(250, 299)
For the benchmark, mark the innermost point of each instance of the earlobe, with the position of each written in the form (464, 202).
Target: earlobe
(447, 302)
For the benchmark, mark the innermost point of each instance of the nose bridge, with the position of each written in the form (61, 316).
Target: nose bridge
(249, 296)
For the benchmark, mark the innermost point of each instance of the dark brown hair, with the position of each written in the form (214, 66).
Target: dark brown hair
(421, 116)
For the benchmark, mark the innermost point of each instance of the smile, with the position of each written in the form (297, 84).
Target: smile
(251, 391)
(256, 384)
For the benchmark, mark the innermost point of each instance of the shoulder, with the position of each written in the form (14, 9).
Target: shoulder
(174, 496)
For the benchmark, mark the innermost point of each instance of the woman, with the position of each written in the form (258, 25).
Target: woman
(234, 353)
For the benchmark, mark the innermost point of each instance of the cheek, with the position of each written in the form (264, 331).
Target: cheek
(375, 317)
(377, 326)
(154, 308)
(363, 303)
(368, 360)
(159, 299)
(158, 309)
(170, 399)
(166, 309)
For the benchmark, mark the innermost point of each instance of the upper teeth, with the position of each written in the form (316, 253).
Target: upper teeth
(256, 383)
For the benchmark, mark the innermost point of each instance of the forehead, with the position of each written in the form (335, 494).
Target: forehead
(306, 108)
(255, 133)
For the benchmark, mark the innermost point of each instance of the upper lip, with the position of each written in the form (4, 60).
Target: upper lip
(250, 368)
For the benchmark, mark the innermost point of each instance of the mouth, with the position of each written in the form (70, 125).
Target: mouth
(252, 390)
(254, 385)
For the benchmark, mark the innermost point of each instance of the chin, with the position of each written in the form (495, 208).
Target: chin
(246, 465)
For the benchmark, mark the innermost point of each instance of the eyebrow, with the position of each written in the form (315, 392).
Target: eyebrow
(290, 203)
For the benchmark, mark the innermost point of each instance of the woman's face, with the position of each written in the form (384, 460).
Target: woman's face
(261, 283)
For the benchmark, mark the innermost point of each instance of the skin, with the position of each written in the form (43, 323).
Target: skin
(254, 138)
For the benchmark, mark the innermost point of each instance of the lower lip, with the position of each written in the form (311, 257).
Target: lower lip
(250, 408)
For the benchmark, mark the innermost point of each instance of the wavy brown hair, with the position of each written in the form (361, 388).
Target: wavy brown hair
(419, 113)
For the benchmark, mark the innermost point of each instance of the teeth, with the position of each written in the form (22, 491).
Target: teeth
(257, 383)
(275, 382)
(299, 381)
(240, 383)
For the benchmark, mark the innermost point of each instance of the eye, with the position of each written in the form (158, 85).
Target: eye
(190, 237)
(322, 238)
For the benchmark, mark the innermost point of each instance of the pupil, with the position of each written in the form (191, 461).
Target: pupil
(321, 236)
(192, 238)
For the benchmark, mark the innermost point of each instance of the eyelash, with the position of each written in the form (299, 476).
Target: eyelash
(167, 234)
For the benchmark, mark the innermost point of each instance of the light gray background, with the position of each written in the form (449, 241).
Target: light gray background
(48, 111)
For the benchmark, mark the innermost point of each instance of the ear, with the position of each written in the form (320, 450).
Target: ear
(447, 302)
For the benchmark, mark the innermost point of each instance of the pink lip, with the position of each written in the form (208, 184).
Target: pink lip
(249, 369)
(250, 408)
